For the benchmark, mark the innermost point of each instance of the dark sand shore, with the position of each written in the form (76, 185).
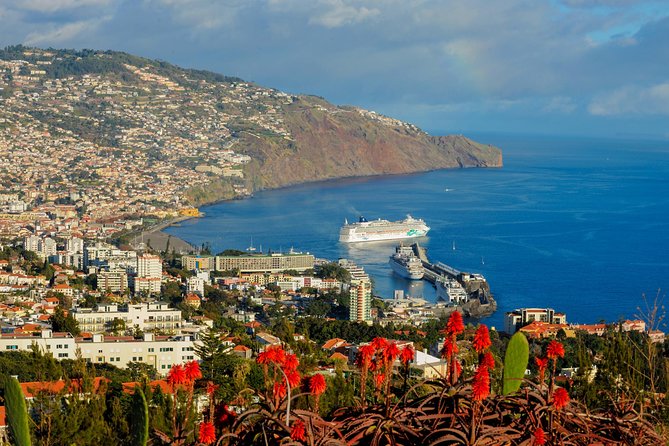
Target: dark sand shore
(155, 238)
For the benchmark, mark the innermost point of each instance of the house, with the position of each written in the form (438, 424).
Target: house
(267, 340)
(539, 330)
(242, 351)
(192, 300)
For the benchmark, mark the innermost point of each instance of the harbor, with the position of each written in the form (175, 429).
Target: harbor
(468, 292)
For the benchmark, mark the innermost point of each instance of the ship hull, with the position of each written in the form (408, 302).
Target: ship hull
(403, 271)
(357, 237)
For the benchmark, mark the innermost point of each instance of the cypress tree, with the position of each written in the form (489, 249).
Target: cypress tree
(139, 423)
(17, 414)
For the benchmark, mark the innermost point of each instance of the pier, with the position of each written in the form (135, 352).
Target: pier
(480, 303)
(433, 271)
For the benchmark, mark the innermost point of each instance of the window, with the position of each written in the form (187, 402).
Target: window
(150, 349)
(62, 355)
(12, 347)
(111, 359)
(186, 349)
(166, 349)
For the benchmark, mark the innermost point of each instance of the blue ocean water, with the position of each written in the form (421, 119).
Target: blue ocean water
(579, 225)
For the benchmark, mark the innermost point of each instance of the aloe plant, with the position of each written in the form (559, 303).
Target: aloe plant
(515, 363)
(17, 415)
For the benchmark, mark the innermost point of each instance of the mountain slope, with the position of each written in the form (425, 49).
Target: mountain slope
(190, 137)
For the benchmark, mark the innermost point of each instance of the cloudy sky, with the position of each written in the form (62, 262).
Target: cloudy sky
(573, 67)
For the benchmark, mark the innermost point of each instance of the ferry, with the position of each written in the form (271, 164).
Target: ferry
(376, 230)
(405, 263)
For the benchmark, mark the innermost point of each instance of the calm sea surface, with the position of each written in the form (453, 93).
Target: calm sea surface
(580, 225)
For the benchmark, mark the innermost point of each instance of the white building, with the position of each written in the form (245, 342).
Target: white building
(47, 247)
(159, 351)
(154, 316)
(149, 274)
(112, 281)
(74, 245)
(31, 243)
(195, 285)
(523, 316)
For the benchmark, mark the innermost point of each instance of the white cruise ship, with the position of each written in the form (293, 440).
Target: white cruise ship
(404, 263)
(375, 230)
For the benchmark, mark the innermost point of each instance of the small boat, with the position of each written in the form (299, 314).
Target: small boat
(453, 245)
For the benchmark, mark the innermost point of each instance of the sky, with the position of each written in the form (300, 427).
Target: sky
(559, 67)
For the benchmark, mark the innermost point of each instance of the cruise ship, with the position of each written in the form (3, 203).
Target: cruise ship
(450, 290)
(404, 263)
(375, 230)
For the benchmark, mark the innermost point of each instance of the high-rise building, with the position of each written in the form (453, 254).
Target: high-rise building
(360, 292)
(149, 274)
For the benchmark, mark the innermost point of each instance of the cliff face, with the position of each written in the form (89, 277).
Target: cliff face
(333, 142)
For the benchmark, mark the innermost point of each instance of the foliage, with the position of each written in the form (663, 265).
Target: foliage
(60, 322)
(139, 423)
(17, 414)
(515, 362)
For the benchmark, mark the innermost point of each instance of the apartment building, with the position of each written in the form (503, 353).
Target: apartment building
(153, 317)
(265, 263)
(162, 352)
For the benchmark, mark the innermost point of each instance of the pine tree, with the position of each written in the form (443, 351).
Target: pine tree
(17, 415)
(139, 423)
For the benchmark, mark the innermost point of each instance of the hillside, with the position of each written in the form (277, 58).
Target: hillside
(142, 135)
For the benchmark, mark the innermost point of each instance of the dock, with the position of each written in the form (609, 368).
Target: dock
(434, 271)
(481, 302)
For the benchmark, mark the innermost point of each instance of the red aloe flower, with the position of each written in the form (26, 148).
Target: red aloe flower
(291, 362)
(455, 326)
(481, 384)
(279, 390)
(391, 352)
(294, 378)
(457, 370)
(211, 388)
(365, 354)
(317, 384)
(207, 433)
(224, 415)
(177, 375)
(407, 355)
(555, 350)
(263, 358)
(192, 371)
(539, 437)
(488, 361)
(298, 432)
(560, 398)
(542, 364)
(379, 379)
(481, 339)
(276, 354)
(450, 348)
(379, 343)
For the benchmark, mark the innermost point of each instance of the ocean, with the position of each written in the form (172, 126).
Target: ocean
(579, 225)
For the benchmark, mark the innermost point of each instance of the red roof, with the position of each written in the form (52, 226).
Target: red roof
(241, 348)
(30, 389)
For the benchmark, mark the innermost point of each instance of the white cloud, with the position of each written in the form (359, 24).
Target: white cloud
(653, 100)
(56, 5)
(560, 104)
(340, 13)
(53, 35)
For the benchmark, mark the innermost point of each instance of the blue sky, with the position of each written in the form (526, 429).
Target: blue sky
(573, 67)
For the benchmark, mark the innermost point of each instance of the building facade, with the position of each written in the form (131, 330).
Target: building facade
(148, 317)
(265, 263)
(162, 352)
(523, 316)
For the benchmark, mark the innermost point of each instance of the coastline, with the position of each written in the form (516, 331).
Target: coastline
(157, 239)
